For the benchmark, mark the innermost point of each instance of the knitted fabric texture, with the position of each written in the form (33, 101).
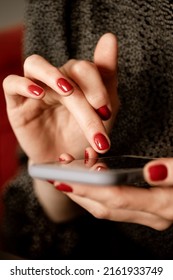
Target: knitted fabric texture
(64, 29)
(59, 30)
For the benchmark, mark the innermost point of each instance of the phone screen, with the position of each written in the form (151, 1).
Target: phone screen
(128, 162)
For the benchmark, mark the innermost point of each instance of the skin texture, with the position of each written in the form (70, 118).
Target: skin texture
(52, 123)
(48, 121)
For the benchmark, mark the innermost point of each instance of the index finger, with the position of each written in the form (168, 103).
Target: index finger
(150, 200)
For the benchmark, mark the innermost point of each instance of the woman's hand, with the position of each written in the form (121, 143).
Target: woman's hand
(64, 110)
(152, 207)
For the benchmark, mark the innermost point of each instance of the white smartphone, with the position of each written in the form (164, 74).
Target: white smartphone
(116, 170)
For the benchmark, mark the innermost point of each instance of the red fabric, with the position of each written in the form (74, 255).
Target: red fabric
(10, 63)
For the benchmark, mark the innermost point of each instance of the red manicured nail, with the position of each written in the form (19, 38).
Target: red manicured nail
(101, 141)
(86, 156)
(64, 85)
(36, 90)
(50, 181)
(64, 188)
(104, 113)
(61, 159)
(158, 172)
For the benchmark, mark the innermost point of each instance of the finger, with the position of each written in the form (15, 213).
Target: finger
(106, 60)
(90, 156)
(88, 78)
(88, 120)
(99, 166)
(16, 88)
(156, 201)
(37, 68)
(65, 158)
(89, 153)
(106, 55)
(99, 211)
(104, 69)
(159, 172)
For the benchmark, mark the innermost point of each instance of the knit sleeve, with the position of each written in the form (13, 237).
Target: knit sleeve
(27, 230)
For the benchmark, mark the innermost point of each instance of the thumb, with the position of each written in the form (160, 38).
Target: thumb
(159, 172)
(106, 55)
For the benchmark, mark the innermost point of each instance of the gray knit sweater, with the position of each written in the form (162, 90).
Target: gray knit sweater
(63, 29)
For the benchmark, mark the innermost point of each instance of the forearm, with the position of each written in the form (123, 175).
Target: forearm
(29, 229)
(57, 206)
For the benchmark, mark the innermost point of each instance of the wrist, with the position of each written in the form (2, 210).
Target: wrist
(57, 206)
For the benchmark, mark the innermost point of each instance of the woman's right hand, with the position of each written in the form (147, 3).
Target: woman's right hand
(64, 110)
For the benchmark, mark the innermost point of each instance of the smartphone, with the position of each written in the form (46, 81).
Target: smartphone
(116, 170)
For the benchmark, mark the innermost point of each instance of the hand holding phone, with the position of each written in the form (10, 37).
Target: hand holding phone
(116, 170)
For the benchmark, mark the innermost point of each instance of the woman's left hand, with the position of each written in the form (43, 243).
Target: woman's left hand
(152, 207)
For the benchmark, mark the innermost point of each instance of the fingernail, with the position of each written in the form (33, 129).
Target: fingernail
(104, 113)
(64, 188)
(101, 141)
(158, 172)
(101, 168)
(50, 181)
(61, 159)
(86, 156)
(64, 85)
(36, 90)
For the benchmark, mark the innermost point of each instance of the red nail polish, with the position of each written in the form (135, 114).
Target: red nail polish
(64, 188)
(101, 141)
(36, 90)
(158, 172)
(104, 113)
(64, 85)
(86, 156)
(61, 159)
(50, 181)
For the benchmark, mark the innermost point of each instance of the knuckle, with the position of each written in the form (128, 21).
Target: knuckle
(162, 225)
(100, 212)
(68, 65)
(6, 81)
(165, 204)
(118, 199)
(30, 60)
(81, 67)
(89, 124)
(71, 61)
(167, 214)
(98, 97)
(92, 126)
